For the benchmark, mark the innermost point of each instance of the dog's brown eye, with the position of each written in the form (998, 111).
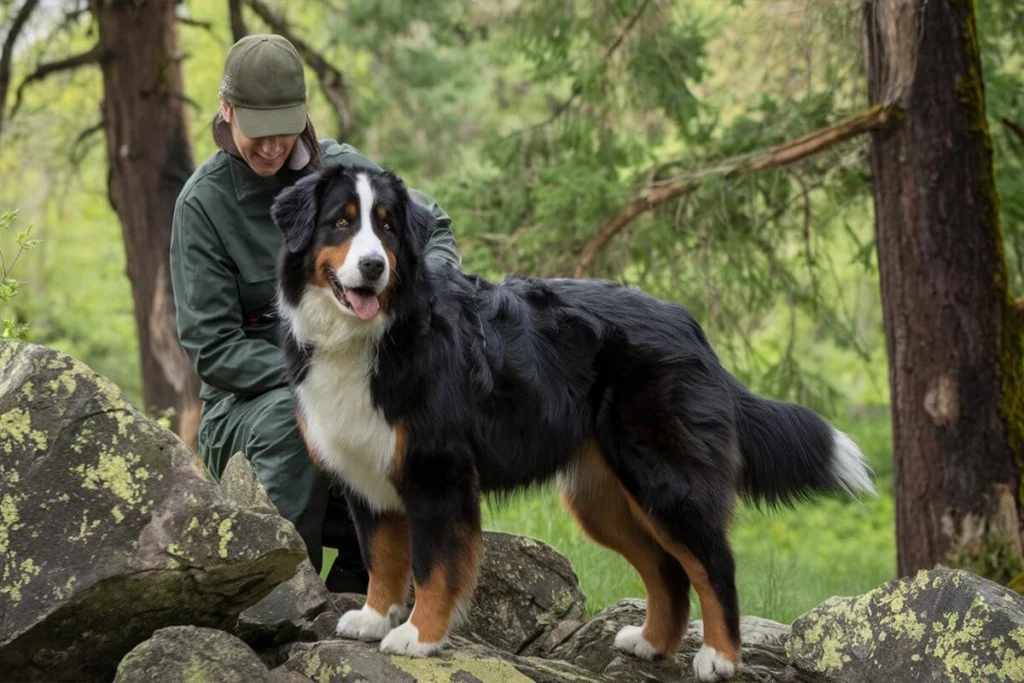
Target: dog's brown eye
(386, 227)
(342, 223)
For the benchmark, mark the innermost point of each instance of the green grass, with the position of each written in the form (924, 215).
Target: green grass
(787, 561)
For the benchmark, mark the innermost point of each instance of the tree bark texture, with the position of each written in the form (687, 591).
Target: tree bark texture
(150, 158)
(952, 333)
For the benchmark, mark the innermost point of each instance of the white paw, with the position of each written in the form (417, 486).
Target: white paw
(405, 640)
(709, 665)
(630, 639)
(364, 624)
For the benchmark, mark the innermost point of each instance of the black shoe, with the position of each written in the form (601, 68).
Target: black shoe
(342, 580)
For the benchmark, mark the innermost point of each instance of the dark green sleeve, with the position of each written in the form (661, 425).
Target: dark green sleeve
(210, 314)
(441, 246)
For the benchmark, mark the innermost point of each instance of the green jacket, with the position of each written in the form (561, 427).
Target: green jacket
(224, 250)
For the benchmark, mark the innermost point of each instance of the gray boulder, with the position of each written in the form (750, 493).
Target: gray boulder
(463, 661)
(590, 648)
(526, 588)
(942, 625)
(110, 528)
(188, 653)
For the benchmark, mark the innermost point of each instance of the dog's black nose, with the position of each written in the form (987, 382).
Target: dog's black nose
(371, 267)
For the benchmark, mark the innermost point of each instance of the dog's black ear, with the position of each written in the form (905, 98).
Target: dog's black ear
(420, 222)
(295, 210)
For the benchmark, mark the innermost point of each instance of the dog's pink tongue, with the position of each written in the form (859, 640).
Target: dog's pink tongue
(365, 306)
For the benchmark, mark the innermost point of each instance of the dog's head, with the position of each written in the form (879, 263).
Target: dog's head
(353, 238)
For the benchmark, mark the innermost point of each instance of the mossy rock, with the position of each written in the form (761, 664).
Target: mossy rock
(187, 654)
(941, 625)
(526, 588)
(347, 661)
(110, 528)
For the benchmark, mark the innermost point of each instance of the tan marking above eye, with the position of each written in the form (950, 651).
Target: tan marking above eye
(382, 212)
(352, 210)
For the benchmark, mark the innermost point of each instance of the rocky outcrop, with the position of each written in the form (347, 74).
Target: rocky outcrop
(526, 589)
(110, 528)
(121, 560)
(188, 653)
(942, 625)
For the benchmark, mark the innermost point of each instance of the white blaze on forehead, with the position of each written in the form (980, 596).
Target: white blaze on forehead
(365, 242)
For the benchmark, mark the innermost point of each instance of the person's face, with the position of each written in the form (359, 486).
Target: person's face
(266, 155)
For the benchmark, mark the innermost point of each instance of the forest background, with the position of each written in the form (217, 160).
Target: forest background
(537, 125)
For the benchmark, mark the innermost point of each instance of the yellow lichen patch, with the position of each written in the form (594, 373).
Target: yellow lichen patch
(116, 473)
(86, 528)
(118, 515)
(445, 670)
(16, 430)
(28, 390)
(225, 533)
(25, 572)
(9, 517)
(65, 592)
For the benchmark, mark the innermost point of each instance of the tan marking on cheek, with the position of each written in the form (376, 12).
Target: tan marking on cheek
(438, 597)
(390, 568)
(329, 257)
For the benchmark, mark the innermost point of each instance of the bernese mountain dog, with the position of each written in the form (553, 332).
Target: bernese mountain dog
(420, 388)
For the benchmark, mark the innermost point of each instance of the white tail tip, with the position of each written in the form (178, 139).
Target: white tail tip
(849, 465)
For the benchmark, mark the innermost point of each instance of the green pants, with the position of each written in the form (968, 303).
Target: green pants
(265, 430)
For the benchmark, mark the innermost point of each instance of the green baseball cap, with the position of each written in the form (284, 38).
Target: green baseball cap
(266, 85)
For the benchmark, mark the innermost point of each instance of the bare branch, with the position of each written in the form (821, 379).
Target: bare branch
(7, 51)
(76, 153)
(238, 30)
(332, 82)
(1014, 127)
(660, 192)
(197, 23)
(92, 56)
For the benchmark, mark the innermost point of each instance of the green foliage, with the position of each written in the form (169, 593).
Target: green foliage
(12, 328)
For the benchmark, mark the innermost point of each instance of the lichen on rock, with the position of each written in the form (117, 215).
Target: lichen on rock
(947, 625)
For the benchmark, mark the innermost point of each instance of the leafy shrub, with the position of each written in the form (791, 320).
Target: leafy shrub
(12, 328)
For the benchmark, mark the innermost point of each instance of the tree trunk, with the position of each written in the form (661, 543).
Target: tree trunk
(953, 335)
(150, 158)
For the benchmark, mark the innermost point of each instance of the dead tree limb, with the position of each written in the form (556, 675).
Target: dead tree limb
(659, 192)
(238, 29)
(7, 51)
(92, 56)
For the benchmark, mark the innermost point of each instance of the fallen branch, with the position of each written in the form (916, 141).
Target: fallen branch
(7, 51)
(332, 82)
(92, 56)
(657, 193)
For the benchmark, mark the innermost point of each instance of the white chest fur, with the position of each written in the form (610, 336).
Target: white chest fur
(351, 436)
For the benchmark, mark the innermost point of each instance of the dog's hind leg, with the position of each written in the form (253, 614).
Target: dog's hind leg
(692, 525)
(443, 510)
(384, 543)
(594, 496)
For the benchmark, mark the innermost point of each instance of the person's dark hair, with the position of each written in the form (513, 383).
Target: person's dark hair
(221, 130)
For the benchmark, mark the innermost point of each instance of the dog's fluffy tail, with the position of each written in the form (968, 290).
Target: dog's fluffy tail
(790, 453)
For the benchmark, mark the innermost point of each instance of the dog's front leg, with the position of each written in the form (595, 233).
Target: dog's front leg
(384, 542)
(444, 525)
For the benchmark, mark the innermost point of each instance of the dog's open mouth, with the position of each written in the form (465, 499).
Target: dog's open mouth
(362, 301)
